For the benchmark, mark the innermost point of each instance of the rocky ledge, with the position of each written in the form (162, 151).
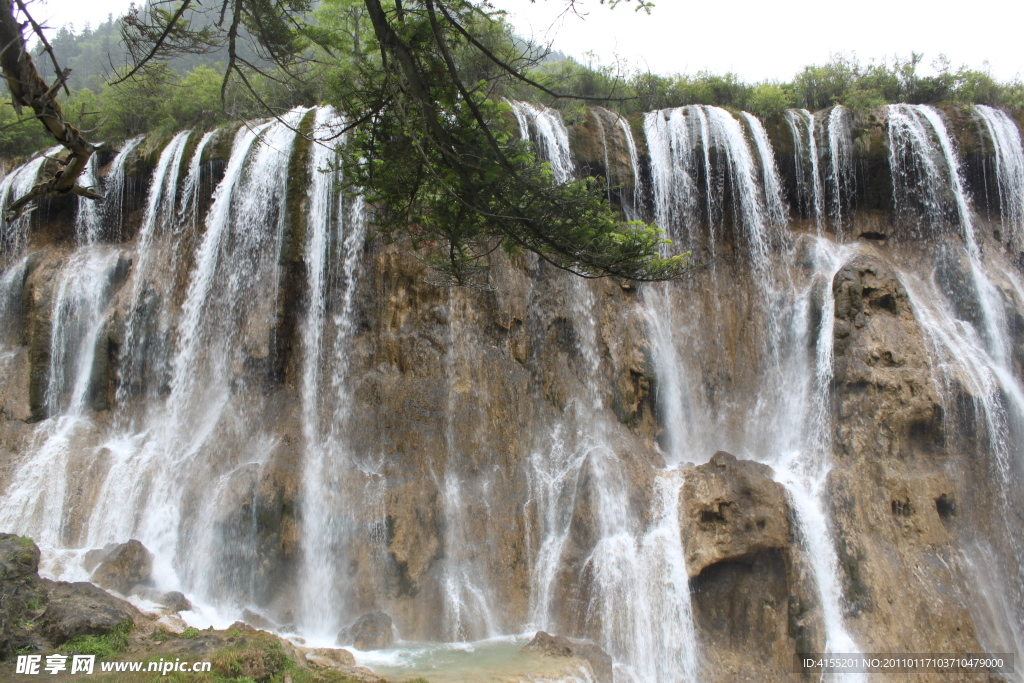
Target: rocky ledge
(43, 617)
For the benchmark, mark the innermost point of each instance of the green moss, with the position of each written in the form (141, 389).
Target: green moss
(220, 146)
(189, 633)
(25, 542)
(186, 154)
(39, 356)
(299, 179)
(113, 643)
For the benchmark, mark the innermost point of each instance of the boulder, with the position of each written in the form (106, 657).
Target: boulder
(175, 601)
(123, 567)
(21, 592)
(257, 620)
(330, 658)
(82, 609)
(369, 632)
(559, 646)
(730, 509)
(96, 555)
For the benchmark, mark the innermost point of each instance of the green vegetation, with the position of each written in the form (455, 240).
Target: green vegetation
(105, 646)
(842, 80)
(433, 144)
(235, 657)
(189, 633)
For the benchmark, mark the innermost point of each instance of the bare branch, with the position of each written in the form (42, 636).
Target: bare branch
(49, 50)
(156, 45)
(28, 89)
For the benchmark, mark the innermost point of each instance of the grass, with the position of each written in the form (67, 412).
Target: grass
(105, 646)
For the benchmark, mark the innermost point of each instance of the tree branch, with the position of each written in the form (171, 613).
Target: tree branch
(28, 89)
(156, 46)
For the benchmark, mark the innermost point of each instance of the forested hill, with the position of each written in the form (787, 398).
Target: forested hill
(94, 53)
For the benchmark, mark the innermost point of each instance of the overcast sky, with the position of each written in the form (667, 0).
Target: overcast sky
(757, 39)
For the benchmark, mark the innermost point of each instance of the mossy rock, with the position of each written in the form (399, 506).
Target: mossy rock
(299, 178)
(219, 149)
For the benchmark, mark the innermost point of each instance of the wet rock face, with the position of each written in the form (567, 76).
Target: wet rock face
(731, 510)
(881, 367)
(370, 632)
(125, 566)
(909, 470)
(735, 525)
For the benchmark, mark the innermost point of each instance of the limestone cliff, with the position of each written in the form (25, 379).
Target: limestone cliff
(318, 435)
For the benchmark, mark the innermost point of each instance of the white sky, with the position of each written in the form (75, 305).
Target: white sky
(757, 39)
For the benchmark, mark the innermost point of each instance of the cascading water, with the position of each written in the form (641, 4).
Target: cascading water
(544, 126)
(329, 499)
(978, 348)
(231, 291)
(640, 599)
(81, 298)
(799, 447)
(810, 191)
(15, 185)
(193, 447)
(189, 213)
(468, 602)
(160, 207)
(774, 206)
(224, 317)
(788, 426)
(841, 174)
(636, 199)
(1009, 161)
(682, 142)
(115, 187)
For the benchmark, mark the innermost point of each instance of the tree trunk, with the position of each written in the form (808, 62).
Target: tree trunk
(28, 89)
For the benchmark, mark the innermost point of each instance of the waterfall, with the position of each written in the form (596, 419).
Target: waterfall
(1009, 161)
(87, 219)
(189, 213)
(329, 500)
(82, 295)
(545, 127)
(980, 347)
(16, 184)
(776, 210)
(788, 425)
(701, 141)
(114, 187)
(12, 280)
(640, 598)
(841, 173)
(810, 193)
(636, 200)
(229, 305)
(149, 474)
(468, 600)
(220, 386)
(801, 440)
(160, 206)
